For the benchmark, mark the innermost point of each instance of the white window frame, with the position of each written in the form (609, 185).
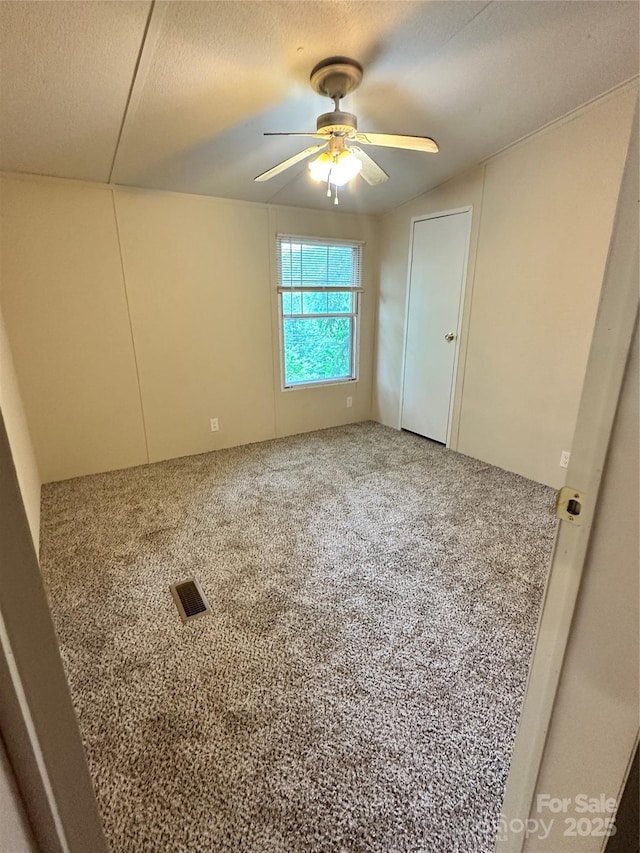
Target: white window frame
(356, 290)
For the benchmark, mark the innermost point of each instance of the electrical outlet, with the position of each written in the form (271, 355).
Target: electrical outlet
(215, 426)
(564, 458)
(349, 402)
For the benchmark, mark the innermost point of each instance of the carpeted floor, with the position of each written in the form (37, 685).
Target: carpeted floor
(357, 686)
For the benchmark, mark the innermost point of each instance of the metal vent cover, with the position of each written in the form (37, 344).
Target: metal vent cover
(190, 600)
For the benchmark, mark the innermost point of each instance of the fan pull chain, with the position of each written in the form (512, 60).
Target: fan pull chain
(335, 200)
(329, 186)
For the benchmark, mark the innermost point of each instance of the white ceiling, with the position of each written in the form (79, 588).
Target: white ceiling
(204, 80)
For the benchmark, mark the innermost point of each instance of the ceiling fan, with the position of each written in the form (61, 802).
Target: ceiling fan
(340, 156)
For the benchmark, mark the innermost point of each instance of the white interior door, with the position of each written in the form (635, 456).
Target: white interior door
(438, 264)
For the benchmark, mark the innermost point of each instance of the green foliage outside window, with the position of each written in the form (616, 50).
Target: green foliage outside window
(317, 349)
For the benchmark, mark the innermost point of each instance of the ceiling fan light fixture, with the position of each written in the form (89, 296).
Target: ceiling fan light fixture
(346, 166)
(337, 169)
(321, 167)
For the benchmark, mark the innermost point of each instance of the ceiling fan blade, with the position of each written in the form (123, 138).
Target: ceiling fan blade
(392, 140)
(265, 176)
(310, 133)
(371, 172)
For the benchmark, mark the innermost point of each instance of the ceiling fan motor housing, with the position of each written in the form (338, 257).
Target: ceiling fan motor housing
(337, 122)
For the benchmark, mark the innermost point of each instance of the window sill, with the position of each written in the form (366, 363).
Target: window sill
(326, 383)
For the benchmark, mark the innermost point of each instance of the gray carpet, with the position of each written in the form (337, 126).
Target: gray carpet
(357, 687)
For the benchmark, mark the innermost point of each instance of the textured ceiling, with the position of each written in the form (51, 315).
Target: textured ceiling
(179, 99)
(65, 74)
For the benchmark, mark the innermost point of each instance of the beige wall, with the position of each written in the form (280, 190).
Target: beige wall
(543, 214)
(19, 437)
(197, 275)
(66, 313)
(136, 316)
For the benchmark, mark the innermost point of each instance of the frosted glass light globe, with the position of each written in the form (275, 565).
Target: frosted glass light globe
(337, 169)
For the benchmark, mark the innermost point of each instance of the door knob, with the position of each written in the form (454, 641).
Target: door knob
(450, 337)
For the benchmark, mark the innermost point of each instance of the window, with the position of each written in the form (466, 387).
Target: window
(319, 287)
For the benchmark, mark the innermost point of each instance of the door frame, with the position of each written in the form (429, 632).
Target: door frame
(38, 723)
(460, 355)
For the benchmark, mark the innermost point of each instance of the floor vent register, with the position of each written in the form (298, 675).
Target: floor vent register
(190, 600)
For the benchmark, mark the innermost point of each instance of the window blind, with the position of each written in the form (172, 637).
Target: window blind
(311, 264)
